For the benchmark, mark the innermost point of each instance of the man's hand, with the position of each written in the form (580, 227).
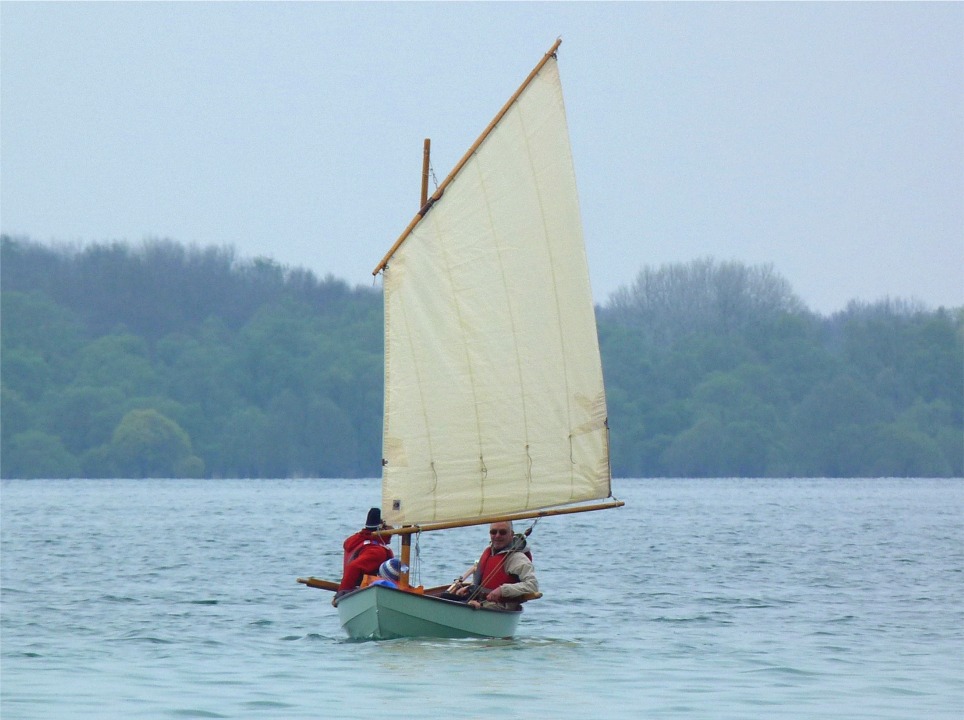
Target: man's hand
(495, 596)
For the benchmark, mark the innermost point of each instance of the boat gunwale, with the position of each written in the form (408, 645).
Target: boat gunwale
(427, 596)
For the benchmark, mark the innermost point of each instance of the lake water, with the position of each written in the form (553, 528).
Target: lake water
(700, 599)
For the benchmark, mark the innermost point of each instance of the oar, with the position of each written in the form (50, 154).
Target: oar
(319, 583)
(459, 581)
(333, 586)
(477, 604)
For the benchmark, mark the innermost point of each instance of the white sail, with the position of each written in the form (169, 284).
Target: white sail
(494, 398)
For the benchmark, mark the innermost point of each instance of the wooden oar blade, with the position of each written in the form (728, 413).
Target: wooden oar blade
(319, 583)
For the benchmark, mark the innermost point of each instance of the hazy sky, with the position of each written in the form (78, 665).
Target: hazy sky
(824, 138)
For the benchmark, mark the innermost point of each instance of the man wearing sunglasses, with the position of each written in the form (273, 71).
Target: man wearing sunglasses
(504, 571)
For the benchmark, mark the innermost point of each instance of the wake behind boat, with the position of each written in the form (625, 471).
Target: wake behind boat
(495, 407)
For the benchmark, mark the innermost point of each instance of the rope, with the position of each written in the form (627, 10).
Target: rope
(415, 570)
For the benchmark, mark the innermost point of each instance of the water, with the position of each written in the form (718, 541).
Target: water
(700, 599)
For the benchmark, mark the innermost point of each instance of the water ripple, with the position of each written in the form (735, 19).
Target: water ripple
(721, 599)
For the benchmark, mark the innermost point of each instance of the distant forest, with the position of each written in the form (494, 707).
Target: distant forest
(165, 360)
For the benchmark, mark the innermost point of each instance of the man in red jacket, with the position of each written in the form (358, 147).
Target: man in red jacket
(364, 553)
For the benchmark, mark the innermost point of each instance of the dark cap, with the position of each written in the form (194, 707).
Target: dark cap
(374, 519)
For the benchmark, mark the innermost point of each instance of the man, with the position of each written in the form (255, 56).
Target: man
(364, 553)
(504, 571)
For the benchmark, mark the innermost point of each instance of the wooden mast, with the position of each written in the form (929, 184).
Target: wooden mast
(426, 148)
(423, 199)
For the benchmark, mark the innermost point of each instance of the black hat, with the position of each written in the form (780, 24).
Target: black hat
(374, 520)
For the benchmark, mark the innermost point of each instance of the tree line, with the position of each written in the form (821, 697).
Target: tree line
(166, 360)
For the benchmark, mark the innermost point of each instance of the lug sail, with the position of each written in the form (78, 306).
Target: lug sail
(494, 398)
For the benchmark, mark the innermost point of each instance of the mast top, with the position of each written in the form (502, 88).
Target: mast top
(465, 158)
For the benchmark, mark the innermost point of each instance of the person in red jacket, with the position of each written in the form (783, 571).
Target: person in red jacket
(364, 553)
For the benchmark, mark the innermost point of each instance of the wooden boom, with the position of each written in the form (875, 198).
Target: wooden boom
(484, 520)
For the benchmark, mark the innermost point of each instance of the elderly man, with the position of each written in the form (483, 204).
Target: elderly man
(504, 571)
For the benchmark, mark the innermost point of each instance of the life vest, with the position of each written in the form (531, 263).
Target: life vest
(379, 580)
(491, 571)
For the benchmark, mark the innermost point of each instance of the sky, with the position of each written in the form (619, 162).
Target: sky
(824, 139)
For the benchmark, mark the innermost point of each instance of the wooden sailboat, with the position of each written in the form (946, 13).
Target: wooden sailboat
(494, 400)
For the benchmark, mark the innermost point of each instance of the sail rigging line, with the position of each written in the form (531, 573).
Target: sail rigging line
(468, 155)
(415, 565)
(428, 170)
(528, 474)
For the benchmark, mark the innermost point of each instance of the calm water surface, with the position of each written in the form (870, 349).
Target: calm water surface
(700, 599)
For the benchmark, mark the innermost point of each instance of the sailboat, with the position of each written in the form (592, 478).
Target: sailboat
(494, 403)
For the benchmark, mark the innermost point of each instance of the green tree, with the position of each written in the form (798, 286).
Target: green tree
(700, 297)
(84, 417)
(311, 439)
(36, 322)
(711, 369)
(245, 449)
(35, 454)
(121, 361)
(148, 444)
(829, 431)
(16, 416)
(896, 451)
(26, 373)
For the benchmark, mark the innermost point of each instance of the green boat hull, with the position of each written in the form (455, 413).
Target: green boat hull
(382, 613)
